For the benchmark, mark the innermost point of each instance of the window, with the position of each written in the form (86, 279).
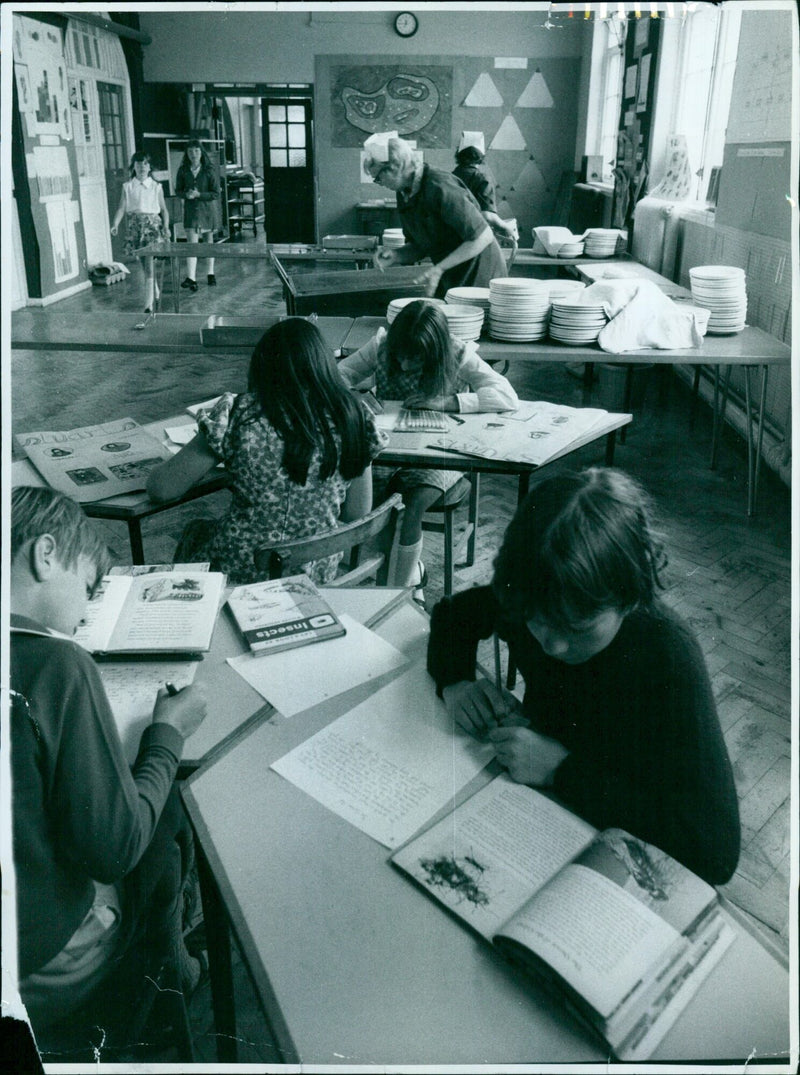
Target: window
(605, 92)
(287, 136)
(702, 89)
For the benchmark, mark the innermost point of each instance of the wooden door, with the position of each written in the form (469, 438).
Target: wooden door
(116, 155)
(287, 131)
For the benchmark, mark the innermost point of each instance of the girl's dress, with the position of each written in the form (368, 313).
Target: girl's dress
(142, 214)
(478, 388)
(200, 214)
(267, 506)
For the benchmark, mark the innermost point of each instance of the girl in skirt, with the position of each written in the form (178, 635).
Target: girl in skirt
(142, 202)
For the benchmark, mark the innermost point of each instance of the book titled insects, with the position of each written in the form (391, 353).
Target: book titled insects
(151, 615)
(283, 613)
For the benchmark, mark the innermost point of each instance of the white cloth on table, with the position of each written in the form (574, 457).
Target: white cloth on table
(641, 315)
(549, 240)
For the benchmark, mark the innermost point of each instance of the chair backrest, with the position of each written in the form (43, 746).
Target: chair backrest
(382, 525)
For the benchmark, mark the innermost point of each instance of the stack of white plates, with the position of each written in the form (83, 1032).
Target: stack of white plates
(396, 305)
(575, 322)
(571, 250)
(601, 242)
(564, 289)
(464, 322)
(469, 296)
(392, 237)
(518, 308)
(721, 289)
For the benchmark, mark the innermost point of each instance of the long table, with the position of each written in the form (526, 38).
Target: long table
(350, 961)
(132, 508)
(752, 348)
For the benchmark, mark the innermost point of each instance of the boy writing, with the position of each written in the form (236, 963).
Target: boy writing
(100, 849)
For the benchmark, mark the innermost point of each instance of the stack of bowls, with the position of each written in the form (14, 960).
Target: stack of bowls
(722, 290)
(464, 322)
(571, 249)
(396, 305)
(575, 322)
(518, 308)
(601, 242)
(391, 238)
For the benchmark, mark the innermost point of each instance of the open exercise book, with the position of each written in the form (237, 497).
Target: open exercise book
(153, 614)
(618, 929)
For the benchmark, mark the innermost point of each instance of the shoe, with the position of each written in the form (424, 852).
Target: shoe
(418, 594)
(148, 309)
(212, 280)
(190, 284)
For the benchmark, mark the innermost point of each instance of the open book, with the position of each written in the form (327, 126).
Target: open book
(153, 615)
(283, 613)
(621, 932)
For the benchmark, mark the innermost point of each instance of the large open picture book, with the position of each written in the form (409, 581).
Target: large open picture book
(620, 931)
(152, 615)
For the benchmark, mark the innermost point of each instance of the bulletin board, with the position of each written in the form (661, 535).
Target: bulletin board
(526, 108)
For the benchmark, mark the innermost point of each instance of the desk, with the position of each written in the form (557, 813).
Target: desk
(350, 960)
(354, 292)
(33, 330)
(133, 507)
(750, 348)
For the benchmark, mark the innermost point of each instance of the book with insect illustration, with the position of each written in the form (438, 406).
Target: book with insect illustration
(152, 614)
(621, 931)
(282, 613)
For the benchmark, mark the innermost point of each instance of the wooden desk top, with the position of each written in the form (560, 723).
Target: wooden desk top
(401, 277)
(54, 330)
(204, 250)
(351, 960)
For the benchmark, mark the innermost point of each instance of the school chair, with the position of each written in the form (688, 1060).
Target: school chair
(445, 507)
(380, 527)
(141, 1000)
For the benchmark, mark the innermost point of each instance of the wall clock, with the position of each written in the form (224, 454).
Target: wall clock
(406, 24)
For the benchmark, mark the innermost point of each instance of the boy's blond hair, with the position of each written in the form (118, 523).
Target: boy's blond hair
(37, 510)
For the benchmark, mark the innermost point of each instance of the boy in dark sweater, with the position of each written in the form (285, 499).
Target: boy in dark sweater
(99, 849)
(618, 716)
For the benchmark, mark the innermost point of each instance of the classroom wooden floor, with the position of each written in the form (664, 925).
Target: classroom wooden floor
(729, 575)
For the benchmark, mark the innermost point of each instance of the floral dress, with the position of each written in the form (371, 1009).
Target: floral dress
(267, 506)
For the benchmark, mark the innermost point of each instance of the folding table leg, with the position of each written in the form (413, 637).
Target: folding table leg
(219, 960)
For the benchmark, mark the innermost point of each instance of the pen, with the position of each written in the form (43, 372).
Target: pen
(172, 690)
(458, 421)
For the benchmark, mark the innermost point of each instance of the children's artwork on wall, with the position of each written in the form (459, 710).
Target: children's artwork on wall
(61, 223)
(509, 136)
(23, 87)
(644, 79)
(484, 94)
(536, 94)
(412, 99)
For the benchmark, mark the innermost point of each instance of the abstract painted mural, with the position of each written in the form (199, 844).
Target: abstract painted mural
(414, 100)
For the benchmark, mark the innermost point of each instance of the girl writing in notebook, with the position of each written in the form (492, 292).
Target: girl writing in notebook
(147, 219)
(418, 361)
(298, 447)
(618, 716)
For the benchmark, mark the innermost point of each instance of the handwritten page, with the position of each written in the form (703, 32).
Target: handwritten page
(292, 682)
(390, 763)
(131, 688)
(534, 433)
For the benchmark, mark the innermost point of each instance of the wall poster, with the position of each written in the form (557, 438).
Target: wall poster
(413, 99)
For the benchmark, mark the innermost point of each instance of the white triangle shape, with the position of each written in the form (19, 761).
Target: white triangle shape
(484, 94)
(530, 178)
(536, 93)
(509, 136)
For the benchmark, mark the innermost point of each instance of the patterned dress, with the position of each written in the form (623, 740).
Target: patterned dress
(143, 223)
(267, 506)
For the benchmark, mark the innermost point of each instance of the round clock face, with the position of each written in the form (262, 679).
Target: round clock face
(406, 24)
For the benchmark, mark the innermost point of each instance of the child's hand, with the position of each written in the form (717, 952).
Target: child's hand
(529, 757)
(383, 259)
(480, 707)
(114, 229)
(417, 401)
(184, 711)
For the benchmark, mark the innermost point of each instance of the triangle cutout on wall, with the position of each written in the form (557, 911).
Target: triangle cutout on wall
(509, 136)
(484, 94)
(530, 178)
(536, 93)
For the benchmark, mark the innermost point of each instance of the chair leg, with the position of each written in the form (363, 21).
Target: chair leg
(448, 553)
(474, 496)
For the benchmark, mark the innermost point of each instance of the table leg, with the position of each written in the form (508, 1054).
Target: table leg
(695, 394)
(176, 287)
(611, 441)
(135, 537)
(749, 424)
(522, 489)
(219, 960)
(627, 396)
(752, 497)
(719, 412)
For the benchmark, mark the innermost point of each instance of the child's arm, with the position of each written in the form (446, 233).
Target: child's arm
(360, 367)
(173, 478)
(480, 707)
(487, 390)
(120, 213)
(458, 623)
(358, 500)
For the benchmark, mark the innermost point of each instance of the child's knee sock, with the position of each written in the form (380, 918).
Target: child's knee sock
(404, 570)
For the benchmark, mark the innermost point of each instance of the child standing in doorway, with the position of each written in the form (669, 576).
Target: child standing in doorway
(198, 185)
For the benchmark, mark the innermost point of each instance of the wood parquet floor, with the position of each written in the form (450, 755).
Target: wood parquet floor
(729, 575)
